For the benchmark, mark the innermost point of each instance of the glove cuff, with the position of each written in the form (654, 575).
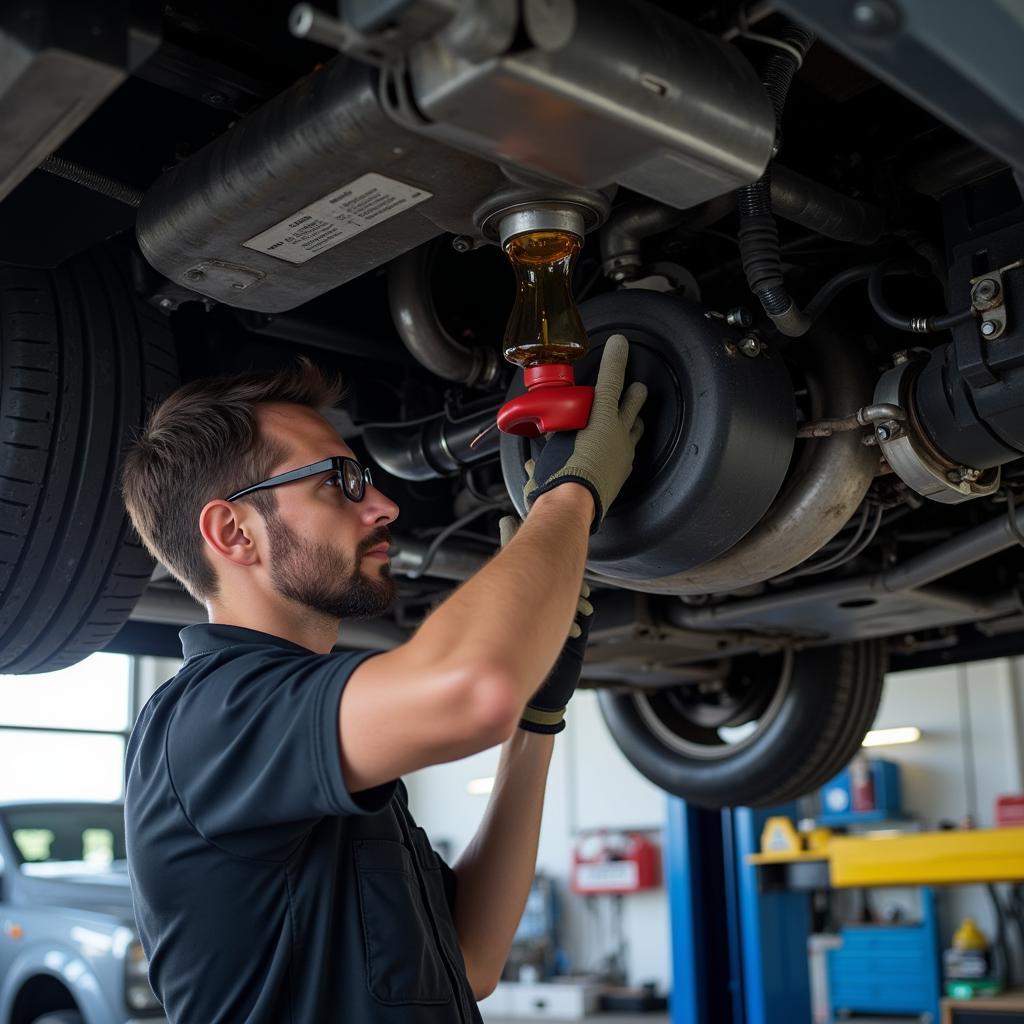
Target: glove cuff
(575, 478)
(542, 720)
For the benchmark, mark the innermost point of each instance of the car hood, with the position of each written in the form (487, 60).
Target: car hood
(97, 894)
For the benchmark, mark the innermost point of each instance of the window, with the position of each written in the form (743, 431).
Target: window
(58, 840)
(63, 734)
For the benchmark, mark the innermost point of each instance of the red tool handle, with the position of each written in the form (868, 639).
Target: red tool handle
(553, 401)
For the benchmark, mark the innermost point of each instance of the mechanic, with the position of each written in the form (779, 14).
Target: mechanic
(276, 870)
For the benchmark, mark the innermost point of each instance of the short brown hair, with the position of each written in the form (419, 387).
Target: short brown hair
(203, 442)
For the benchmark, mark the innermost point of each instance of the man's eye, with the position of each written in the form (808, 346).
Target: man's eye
(334, 480)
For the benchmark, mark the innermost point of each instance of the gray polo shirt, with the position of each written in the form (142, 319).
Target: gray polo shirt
(264, 891)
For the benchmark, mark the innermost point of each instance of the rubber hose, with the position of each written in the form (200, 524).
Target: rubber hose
(90, 179)
(913, 324)
(758, 233)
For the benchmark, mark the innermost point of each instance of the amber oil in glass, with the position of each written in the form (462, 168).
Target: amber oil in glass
(544, 326)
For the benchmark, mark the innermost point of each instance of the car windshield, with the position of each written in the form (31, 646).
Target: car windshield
(67, 840)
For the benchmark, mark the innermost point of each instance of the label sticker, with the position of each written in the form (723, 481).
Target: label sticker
(336, 217)
(609, 874)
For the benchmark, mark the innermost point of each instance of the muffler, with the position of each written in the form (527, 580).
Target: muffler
(314, 189)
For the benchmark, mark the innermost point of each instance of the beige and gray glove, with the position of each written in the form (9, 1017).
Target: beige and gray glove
(600, 456)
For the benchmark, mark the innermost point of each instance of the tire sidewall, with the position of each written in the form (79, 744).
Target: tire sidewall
(821, 680)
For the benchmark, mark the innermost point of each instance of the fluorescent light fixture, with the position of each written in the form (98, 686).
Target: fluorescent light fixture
(887, 737)
(480, 787)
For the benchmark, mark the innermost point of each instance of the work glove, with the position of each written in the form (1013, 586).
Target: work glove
(600, 456)
(545, 712)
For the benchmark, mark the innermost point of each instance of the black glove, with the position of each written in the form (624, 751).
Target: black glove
(545, 712)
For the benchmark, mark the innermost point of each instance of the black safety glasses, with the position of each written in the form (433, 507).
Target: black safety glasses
(352, 476)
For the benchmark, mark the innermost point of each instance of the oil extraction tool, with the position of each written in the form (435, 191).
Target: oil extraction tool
(544, 334)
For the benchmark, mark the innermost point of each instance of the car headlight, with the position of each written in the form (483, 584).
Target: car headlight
(137, 992)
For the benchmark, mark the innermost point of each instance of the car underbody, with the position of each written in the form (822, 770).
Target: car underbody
(806, 217)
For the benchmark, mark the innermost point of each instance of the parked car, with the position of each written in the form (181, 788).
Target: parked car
(814, 246)
(69, 949)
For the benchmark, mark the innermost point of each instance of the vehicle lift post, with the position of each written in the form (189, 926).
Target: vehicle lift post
(739, 956)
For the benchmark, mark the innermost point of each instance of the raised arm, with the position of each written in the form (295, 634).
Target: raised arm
(460, 684)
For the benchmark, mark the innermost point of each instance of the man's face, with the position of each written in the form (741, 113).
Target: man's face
(327, 552)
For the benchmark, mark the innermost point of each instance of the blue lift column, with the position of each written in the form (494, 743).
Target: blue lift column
(773, 927)
(738, 956)
(698, 916)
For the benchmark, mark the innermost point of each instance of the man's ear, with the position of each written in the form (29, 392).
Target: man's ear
(229, 531)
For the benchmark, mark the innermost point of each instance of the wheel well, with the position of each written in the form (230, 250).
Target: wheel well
(39, 995)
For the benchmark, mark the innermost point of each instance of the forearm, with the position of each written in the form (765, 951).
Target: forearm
(516, 611)
(497, 868)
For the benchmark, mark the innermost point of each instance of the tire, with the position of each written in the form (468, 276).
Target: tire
(60, 1017)
(81, 359)
(812, 708)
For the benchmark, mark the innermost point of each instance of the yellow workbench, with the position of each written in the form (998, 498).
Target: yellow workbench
(915, 858)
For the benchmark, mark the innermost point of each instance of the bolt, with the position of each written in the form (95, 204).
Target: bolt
(462, 243)
(876, 17)
(195, 274)
(739, 317)
(898, 358)
(750, 346)
(963, 475)
(883, 432)
(989, 327)
(985, 290)
(165, 304)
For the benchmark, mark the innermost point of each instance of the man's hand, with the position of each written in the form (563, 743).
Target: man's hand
(545, 712)
(600, 456)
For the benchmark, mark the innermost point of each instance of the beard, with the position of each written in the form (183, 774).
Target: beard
(322, 579)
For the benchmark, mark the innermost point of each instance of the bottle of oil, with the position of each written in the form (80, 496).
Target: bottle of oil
(544, 326)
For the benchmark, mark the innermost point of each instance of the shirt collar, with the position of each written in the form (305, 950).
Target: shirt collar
(207, 637)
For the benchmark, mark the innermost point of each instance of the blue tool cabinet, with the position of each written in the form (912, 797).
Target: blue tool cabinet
(888, 969)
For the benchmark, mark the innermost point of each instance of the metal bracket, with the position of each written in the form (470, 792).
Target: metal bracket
(988, 298)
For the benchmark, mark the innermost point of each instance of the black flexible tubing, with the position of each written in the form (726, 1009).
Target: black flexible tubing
(758, 234)
(435, 545)
(916, 325)
(93, 180)
(827, 293)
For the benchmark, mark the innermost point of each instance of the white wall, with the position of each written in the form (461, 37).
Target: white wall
(590, 786)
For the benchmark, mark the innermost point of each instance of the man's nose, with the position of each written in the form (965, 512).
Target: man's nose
(376, 508)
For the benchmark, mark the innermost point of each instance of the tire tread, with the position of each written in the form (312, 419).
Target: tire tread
(82, 362)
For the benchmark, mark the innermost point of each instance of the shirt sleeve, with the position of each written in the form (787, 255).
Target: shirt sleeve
(254, 746)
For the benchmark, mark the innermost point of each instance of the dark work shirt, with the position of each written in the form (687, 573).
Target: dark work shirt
(264, 891)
